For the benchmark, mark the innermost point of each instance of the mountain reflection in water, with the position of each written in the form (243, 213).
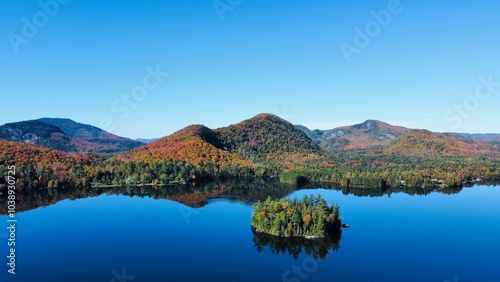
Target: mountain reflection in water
(198, 195)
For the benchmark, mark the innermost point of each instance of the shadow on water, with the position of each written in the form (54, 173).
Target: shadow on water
(294, 246)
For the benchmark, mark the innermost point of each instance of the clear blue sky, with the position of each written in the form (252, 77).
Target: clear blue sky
(419, 69)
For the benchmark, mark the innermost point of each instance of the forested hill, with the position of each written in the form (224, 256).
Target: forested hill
(261, 144)
(103, 141)
(492, 138)
(375, 155)
(193, 144)
(37, 133)
(77, 130)
(423, 143)
(66, 135)
(265, 134)
(241, 143)
(40, 167)
(369, 134)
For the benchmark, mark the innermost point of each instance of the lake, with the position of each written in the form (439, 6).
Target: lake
(393, 236)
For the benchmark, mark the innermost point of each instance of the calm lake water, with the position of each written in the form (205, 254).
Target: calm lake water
(396, 237)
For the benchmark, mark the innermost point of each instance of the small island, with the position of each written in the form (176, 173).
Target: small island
(310, 217)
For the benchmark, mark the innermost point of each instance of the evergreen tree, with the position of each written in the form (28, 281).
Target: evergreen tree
(309, 217)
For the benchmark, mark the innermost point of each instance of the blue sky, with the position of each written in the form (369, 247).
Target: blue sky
(419, 64)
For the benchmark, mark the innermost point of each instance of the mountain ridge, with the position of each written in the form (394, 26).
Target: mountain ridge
(369, 154)
(421, 142)
(66, 135)
(239, 144)
(365, 135)
(252, 139)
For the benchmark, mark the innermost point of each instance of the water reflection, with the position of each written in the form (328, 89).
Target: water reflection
(189, 195)
(386, 191)
(198, 195)
(294, 246)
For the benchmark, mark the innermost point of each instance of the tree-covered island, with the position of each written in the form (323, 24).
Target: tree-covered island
(310, 217)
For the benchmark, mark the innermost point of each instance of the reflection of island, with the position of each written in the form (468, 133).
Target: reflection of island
(294, 246)
(379, 192)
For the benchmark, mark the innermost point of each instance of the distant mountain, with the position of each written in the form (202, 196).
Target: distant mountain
(146, 140)
(37, 133)
(77, 130)
(306, 130)
(66, 135)
(260, 138)
(265, 134)
(492, 138)
(423, 143)
(369, 154)
(103, 141)
(369, 134)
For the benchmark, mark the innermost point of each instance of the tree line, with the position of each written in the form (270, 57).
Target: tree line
(309, 217)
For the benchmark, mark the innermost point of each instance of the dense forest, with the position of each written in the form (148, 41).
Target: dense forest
(310, 217)
(265, 134)
(263, 147)
(394, 171)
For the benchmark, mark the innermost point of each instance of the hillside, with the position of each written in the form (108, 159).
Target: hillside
(77, 130)
(146, 140)
(37, 133)
(66, 135)
(193, 144)
(265, 134)
(424, 143)
(369, 134)
(261, 144)
(491, 138)
(370, 154)
(37, 166)
(102, 141)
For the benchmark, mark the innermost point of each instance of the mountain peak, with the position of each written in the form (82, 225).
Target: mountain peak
(371, 123)
(66, 135)
(268, 117)
(265, 133)
(194, 129)
(19, 131)
(75, 129)
(368, 134)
